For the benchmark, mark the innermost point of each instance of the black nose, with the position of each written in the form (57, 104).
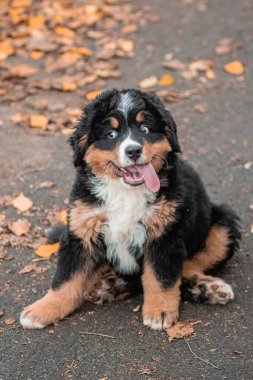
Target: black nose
(133, 152)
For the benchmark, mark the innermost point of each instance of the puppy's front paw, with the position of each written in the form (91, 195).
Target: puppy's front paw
(158, 318)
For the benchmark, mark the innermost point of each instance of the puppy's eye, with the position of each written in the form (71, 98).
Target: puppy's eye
(112, 134)
(144, 129)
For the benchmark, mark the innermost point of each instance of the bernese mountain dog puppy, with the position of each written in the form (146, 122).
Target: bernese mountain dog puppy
(140, 218)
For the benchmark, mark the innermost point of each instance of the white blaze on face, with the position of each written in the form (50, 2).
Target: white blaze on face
(125, 103)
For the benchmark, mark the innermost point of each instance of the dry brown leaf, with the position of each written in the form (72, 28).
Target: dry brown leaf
(2, 217)
(47, 250)
(20, 227)
(189, 74)
(36, 22)
(6, 48)
(67, 131)
(38, 121)
(1, 313)
(180, 330)
(174, 64)
(166, 80)
(64, 32)
(9, 321)
(22, 203)
(92, 95)
(69, 86)
(46, 185)
(129, 29)
(201, 65)
(36, 54)
(148, 82)
(28, 269)
(19, 118)
(63, 215)
(235, 67)
(126, 45)
(82, 51)
(199, 108)
(23, 71)
(210, 74)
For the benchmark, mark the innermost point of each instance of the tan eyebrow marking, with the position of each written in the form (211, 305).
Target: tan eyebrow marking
(139, 117)
(114, 122)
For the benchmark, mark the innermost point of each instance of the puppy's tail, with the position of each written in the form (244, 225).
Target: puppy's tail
(57, 233)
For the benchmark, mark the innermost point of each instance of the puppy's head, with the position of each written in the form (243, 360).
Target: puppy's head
(125, 135)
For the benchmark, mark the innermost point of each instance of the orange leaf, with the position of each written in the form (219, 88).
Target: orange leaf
(10, 321)
(36, 22)
(126, 45)
(38, 121)
(63, 215)
(92, 95)
(180, 330)
(148, 82)
(82, 51)
(20, 227)
(6, 48)
(47, 250)
(69, 57)
(18, 118)
(22, 203)
(64, 32)
(35, 55)
(235, 67)
(23, 71)
(166, 80)
(69, 86)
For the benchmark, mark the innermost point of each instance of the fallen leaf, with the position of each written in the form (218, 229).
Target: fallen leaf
(82, 51)
(18, 118)
(166, 80)
(46, 185)
(2, 217)
(1, 313)
(6, 49)
(23, 71)
(36, 22)
(137, 308)
(148, 82)
(174, 64)
(69, 86)
(189, 74)
(126, 45)
(180, 330)
(63, 215)
(235, 67)
(210, 74)
(47, 250)
(36, 54)
(225, 46)
(92, 95)
(9, 321)
(247, 165)
(64, 32)
(22, 203)
(199, 108)
(20, 227)
(67, 131)
(38, 121)
(201, 65)
(129, 29)
(28, 269)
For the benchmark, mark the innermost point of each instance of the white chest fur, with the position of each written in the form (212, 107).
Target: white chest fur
(125, 207)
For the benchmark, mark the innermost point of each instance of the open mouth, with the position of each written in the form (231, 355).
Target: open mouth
(136, 175)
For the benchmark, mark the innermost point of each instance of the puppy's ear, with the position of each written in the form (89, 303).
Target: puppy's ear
(78, 142)
(156, 107)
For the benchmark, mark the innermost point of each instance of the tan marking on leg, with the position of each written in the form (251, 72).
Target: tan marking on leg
(86, 222)
(160, 309)
(161, 214)
(56, 304)
(214, 252)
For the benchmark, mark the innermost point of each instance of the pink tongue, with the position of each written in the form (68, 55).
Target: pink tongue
(149, 174)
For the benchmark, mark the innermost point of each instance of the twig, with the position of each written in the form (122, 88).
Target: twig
(196, 356)
(91, 333)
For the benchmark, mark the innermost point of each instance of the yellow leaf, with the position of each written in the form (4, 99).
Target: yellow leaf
(6, 49)
(23, 71)
(64, 32)
(36, 22)
(235, 67)
(69, 86)
(92, 95)
(20, 227)
(82, 51)
(38, 121)
(148, 82)
(166, 80)
(47, 250)
(22, 203)
(63, 215)
(35, 55)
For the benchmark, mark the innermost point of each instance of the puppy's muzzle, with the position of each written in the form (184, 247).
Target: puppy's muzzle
(133, 152)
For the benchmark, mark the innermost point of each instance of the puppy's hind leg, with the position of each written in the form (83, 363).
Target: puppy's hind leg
(66, 294)
(220, 245)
